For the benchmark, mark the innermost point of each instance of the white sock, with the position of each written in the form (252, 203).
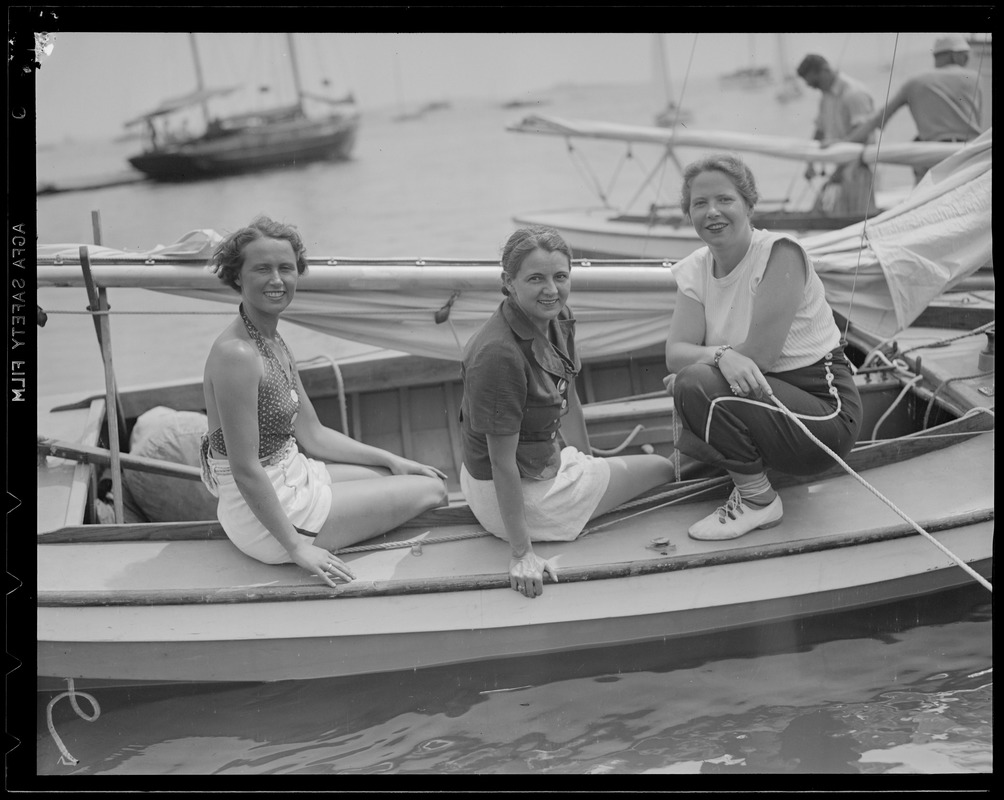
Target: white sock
(751, 486)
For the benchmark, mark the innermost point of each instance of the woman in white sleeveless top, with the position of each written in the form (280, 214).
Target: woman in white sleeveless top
(751, 321)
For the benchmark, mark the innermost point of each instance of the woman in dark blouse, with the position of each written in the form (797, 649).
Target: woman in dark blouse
(519, 397)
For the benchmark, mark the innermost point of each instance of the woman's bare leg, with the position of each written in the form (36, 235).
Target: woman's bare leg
(631, 476)
(361, 509)
(354, 472)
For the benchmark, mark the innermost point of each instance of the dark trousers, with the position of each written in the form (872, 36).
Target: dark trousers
(749, 434)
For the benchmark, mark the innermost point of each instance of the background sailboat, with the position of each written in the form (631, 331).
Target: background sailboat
(791, 87)
(671, 114)
(282, 135)
(755, 76)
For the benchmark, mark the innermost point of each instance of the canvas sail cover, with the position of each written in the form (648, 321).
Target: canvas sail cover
(882, 273)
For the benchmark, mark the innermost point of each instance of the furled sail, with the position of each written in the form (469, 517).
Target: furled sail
(884, 272)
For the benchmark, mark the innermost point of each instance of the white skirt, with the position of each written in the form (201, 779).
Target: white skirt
(557, 510)
(303, 486)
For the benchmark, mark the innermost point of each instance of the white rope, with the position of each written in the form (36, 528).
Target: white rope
(340, 383)
(614, 451)
(973, 573)
(907, 386)
(456, 537)
(72, 693)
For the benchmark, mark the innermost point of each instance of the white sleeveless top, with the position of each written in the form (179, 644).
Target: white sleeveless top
(728, 302)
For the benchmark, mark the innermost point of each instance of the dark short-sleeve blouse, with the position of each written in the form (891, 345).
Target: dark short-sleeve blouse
(516, 381)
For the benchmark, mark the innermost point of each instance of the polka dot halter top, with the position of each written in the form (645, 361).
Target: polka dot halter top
(278, 400)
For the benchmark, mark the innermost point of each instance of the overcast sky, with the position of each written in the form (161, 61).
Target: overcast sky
(89, 84)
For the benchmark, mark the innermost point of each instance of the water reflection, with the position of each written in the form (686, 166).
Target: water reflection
(906, 688)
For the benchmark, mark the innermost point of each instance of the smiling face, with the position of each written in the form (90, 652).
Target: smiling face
(718, 211)
(268, 275)
(541, 286)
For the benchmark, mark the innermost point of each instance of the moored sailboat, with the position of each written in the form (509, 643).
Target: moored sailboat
(237, 143)
(662, 231)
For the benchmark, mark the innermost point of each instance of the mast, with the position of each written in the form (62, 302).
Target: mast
(199, 82)
(296, 71)
(661, 70)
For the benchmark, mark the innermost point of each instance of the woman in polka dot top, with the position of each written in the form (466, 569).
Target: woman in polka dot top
(260, 417)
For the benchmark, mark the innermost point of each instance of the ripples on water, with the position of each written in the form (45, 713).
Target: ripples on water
(905, 689)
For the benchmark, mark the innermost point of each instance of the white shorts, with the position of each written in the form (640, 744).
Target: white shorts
(557, 510)
(303, 486)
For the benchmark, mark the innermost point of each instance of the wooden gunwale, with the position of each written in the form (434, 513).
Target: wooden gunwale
(501, 580)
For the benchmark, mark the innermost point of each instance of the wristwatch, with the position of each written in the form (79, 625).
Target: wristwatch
(720, 352)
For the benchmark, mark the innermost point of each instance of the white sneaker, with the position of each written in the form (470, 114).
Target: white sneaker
(737, 518)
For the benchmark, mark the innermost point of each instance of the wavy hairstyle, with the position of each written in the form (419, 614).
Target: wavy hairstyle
(733, 167)
(523, 242)
(229, 254)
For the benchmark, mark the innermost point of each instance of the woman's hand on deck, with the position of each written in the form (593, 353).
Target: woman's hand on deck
(526, 574)
(743, 375)
(322, 563)
(405, 466)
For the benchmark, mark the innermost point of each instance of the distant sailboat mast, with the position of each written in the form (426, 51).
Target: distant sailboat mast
(199, 81)
(790, 89)
(298, 88)
(670, 114)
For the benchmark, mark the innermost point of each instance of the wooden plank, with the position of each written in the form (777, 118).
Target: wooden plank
(356, 414)
(588, 392)
(404, 415)
(83, 491)
(636, 378)
(452, 424)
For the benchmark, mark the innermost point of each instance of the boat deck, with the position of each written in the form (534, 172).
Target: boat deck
(943, 485)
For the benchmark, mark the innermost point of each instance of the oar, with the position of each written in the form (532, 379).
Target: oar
(98, 455)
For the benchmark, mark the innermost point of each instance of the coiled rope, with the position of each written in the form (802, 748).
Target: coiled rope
(72, 693)
(973, 573)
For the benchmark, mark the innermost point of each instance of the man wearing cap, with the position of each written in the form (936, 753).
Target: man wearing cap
(946, 102)
(845, 104)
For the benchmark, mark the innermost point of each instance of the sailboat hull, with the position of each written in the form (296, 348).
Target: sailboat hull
(604, 233)
(254, 148)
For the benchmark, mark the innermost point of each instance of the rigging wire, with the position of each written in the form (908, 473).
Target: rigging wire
(669, 148)
(871, 191)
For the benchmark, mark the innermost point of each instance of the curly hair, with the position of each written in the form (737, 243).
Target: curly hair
(523, 242)
(228, 258)
(733, 167)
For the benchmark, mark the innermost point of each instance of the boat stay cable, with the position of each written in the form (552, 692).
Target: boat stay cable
(669, 154)
(871, 190)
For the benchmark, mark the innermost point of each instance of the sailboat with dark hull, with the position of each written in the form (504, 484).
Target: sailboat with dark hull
(276, 137)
